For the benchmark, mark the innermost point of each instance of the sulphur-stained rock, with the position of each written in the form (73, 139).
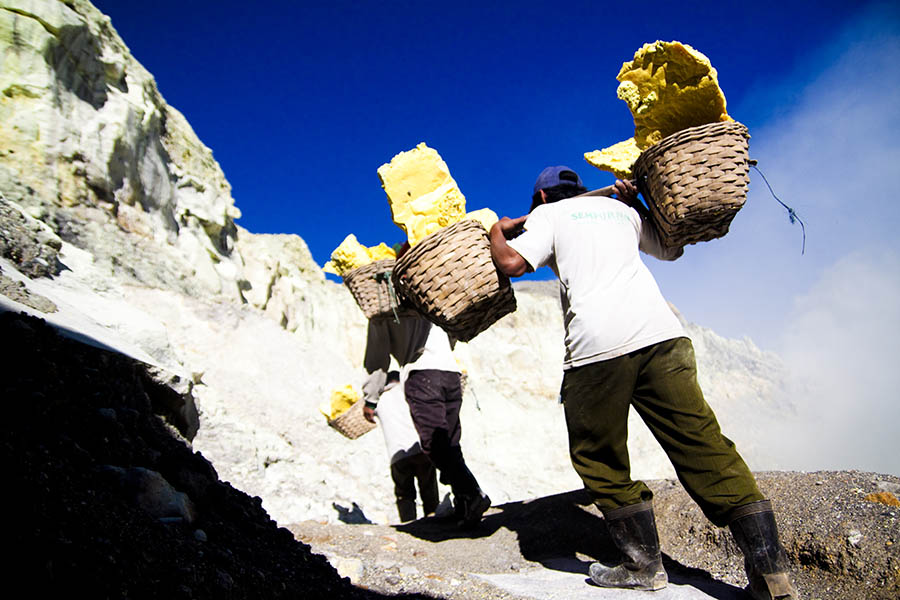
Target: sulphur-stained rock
(617, 159)
(668, 87)
(82, 126)
(885, 498)
(350, 255)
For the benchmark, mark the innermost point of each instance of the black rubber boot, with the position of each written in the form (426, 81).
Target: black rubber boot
(766, 562)
(633, 530)
(406, 508)
(470, 508)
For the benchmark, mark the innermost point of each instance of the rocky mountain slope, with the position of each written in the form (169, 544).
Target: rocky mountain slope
(117, 225)
(112, 502)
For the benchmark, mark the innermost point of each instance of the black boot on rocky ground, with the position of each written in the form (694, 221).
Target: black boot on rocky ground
(767, 565)
(406, 509)
(470, 508)
(633, 531)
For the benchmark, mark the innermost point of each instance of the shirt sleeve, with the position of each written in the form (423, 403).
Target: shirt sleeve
(651, 243)
(535, 244)
(376, 362)
(373, 387)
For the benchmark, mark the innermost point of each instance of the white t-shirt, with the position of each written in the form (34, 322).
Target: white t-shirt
(400, 436)
(611, 303)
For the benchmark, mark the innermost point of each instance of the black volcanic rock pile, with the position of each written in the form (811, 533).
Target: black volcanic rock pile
(72, 413)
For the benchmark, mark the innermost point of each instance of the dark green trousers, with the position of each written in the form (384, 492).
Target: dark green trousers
(660, 381)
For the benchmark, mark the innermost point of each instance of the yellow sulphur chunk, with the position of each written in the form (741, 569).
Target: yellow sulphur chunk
(485, 216)
(617, 159)
(342, 399)
(381, 252)
(352, 255)
(349, 255)
(421, 192)
(669, 86)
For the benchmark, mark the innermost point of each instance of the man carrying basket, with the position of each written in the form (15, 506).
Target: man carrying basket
(433, 390)
(625, 347)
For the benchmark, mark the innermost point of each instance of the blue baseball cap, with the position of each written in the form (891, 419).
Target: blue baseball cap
(554, 176)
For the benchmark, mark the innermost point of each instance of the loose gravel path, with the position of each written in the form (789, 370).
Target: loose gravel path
(841, 535)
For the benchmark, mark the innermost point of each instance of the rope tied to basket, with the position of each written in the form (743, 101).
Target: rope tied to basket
(385, 276)
(792, 214)
(373, 289)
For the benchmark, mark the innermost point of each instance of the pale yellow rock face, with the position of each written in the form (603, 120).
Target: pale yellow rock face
(668, 86)
(350, 254)
(83, 125)
(421, 192)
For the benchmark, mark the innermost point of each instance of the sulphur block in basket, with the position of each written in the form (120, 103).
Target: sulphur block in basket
(350, 254)
(485, 216)
(342, 399)
(668, 86)
(423, 195)
(617, 159)
(381, 252)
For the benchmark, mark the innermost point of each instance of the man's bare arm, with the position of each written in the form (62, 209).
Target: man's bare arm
(505, 257)
(627, 193)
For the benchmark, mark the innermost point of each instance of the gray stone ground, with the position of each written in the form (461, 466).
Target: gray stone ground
(842, 543)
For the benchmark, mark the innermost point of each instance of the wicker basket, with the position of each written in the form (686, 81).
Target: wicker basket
(372, 288)
(352, 423)
(695, 181)
(451, 279)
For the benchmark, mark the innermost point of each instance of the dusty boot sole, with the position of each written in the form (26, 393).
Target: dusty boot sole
(649, 580)
(775, 586)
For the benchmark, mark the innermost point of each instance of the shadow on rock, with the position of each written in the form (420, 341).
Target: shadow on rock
(680, 574)
(556, 529)
(564, 532)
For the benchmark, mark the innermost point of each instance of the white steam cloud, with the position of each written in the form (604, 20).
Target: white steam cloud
(834, 314)
(842, 348)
